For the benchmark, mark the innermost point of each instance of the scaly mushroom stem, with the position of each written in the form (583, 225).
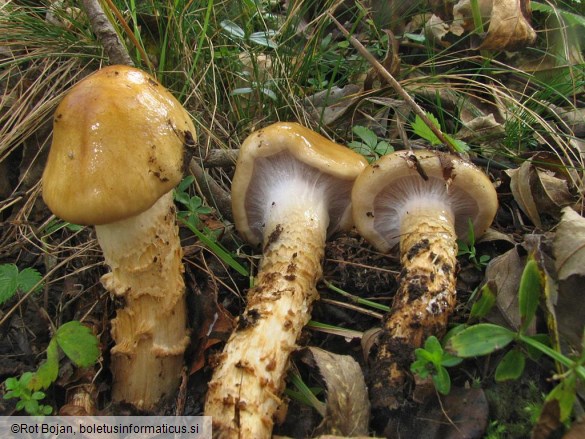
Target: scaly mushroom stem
(423, 303)
(244, 392)
(144, 254)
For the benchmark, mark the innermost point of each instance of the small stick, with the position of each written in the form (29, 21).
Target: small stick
(220, 158)
(393, 83)
(106, 33)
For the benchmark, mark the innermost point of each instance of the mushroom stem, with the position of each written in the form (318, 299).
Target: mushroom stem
(244, 392)
(423, 303)
(144, 255)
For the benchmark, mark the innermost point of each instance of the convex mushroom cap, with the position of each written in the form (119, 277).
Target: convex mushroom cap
(278, 155)
(115, 131)
(404, 180)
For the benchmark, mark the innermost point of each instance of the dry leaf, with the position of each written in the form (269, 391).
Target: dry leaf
(463, 16)
(503, 276)
(348, 406)
(541, 187)
(569, 252)
(520, 184)
(509, 28)
(548, 421)
(551, 192)
(569, 245)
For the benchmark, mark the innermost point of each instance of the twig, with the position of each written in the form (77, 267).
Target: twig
(129, 32)
(106, 33)
(384, 73)
(220, 158)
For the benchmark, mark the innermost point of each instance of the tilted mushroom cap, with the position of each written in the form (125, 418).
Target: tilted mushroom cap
(281, 152)
(118, 139)
(387, 187)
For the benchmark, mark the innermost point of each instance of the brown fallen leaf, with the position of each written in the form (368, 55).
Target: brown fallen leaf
(569, 245)
(509, 27)
(503, 276)
(569, 252)
(347, 408)
(548, 421)
(542, 187)
(521, 190)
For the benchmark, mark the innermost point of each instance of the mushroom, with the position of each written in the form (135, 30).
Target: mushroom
(291, 188)
(424, 201)
(116, 155)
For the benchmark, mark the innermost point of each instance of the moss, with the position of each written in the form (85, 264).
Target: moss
(512, 406)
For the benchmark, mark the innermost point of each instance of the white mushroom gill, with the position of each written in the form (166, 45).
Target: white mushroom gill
(409, 196)
(281, 179)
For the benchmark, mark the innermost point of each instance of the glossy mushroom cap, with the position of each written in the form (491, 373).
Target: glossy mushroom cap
(118, 139)
(405, 180)
(281, 155)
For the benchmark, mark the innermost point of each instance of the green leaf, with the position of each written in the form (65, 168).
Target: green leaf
(421, 129)
(424, 355)
(480, 339)
(48, 371)
(433, 345)
(484, 304)
(458, 145)
(11, 281)
(442, 381)
(25, 378)
(564, 393)
(263, 38)
(184, 184)
(38, 395)
(8, 282)
(511, 366)
(572, 19)
(11, 383)
(449, 360)
(420, 368)
(367, 135)
(529, 292)
(241, 91)
(28, 278)
(218, 250)
(31, 406)
(78, 343)
(232, 29)
(383, 148)
(11, 394)
(417, 38)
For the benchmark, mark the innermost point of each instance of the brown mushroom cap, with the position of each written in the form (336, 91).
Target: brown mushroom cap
(389, 186)
(118, 139)
(278, 153)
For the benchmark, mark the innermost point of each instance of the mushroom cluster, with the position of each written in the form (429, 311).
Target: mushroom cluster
(116, 155)
(423, 201)
(291, 188)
